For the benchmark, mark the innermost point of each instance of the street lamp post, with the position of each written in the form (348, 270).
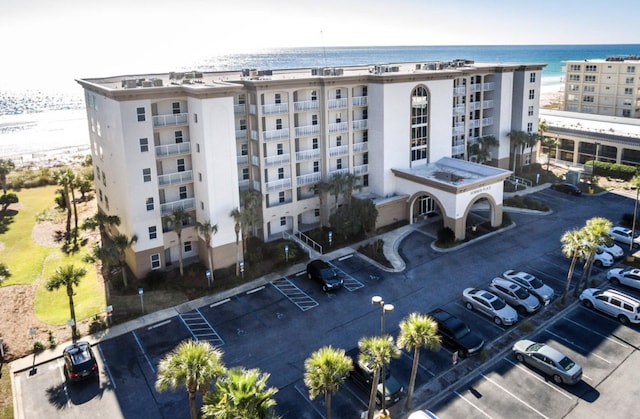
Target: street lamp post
(384, 308)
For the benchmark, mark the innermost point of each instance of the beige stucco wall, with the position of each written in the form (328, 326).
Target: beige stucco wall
(392, 211)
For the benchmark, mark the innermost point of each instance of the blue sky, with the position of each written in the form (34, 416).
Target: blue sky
(103, 37)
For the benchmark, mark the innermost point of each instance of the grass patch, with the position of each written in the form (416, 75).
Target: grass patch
(6, 397)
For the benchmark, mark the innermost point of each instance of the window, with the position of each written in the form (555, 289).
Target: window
(365, 136)
(141, 114)
(589, 89)
(338, 118)
(532, 77)
(314, 143)
(338, 140)
(575, 67)
(245, 173)
(591, 68)
(626, 113)
(278, 123)
(199, 177)
(590, 79)
(316, 166)
(283, 221)
(365, 114)
(100, 194)
(316, 212)
(146, 175)
(628, 80)
(176, 107)
(314, 95)
(279, 149)
(183, 192)
(365, 158)
(314, 119)
(364, 90)
(195, 118)
(365, 180)
(149, 204)
(144, 145)
(202, 205)
(281, 196)
(155, 261)
(419, 114)
(104, 178)
(532, 94)
(106, 201)
(243, 124)
(180, 164)
(178, 136)
(339, 164)
(280, 172)
(631, 69)
(153, 232)
(244, 150)
(574, 77)
(241, 100)
(530, 111)
(529, 127)
(188, 247)
(338, 94)
(278, 99)
(628, 91)
(197, 147)
(587, 99)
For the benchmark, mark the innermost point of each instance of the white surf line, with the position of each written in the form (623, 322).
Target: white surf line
(254, 290)
(350, 255)
(599, 334)
(537, 377)
(158, 324)
(219, 303)
(473, 405)
(578, 346)
(513, 395)
(104, 363)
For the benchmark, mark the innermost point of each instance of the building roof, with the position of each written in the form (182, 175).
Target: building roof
(612, 128)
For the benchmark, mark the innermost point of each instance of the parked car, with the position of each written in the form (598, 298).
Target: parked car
(548, 360)
(614, 303)
(422, 414)
(613, 249)
(515, 295)
(624, 235)
(362, 376)
(602, 258)
(628, 276)
(320, 271)
(535, 286)
(79, 361)
(456, 334)
(565, 187)
(490, 305)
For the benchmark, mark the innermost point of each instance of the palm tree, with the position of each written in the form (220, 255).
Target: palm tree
(64, 178)
(350, 182)
(417, 331)
(241, 394)
(518, 140)
(108, 255)
(122, 242)
(207, 231)
(178, 218)
(245, 217)
(68, 277)
(325, 370)
(6, 167)
(192, 364)
(336, 186)
(596, 233)
(530, 142)
(320, 189)
(572, 242)
(376, 352)
(238, 216)
(4, 272)
(635, 181)
(549, 143)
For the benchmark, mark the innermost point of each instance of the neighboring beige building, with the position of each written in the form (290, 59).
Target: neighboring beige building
(194, 140)
(608, 86)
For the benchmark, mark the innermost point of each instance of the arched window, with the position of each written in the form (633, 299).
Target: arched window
(419, 125)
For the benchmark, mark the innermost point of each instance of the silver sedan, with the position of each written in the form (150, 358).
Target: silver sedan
(548, 360)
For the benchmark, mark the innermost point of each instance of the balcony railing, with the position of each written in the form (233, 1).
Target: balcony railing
(253, 109)
(306, 105)
(184, 204)
(361, 147)
(338, 127)
(459, 110)
(309, 179)
(254, 135)
(338, 171)
(173, 149)
(488, 86)
(307, 130)
(361, 169)
(175, 178)
(277, 159)
(338, 151)
(279, 185)
(275, 134)
(279, 203)
(246, 183)
(239, 108)
(460, 91)
(308, 154)
(241, 134)
(337, 103)
(458, 149)
(275, 108)
(487, 121)
(458, 130)
(243, 159)
(360, 124)
(359, 101)
(170, 120)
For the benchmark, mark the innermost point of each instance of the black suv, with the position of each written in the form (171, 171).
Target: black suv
(456, 334)
(569, 188)
(362, 376)
(79, 362)
(322, 272)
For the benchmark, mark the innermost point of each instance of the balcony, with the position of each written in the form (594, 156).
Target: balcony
(254, 135)
(361, 147)
(361, 170)
(175, 178)
(338, 151)
(243, 160)
(360, 124)
(170, 120)
(458, 149)
(173, 149)
(459, 91)
(488, 86)
(458, 130)
(359, 101)
(309, 179)
(459, 110)
(337, 103)
(338, 127)
(247, 183)
(253, 109)
(306, 105)
(487, 121)
(241, 134)
(279, 185)
(275, 108)
(279, 203)
(338, 171)
(308, 154)
(239, 108)
(278, 159)
(307, 130)
(275, 134)
(184, 204)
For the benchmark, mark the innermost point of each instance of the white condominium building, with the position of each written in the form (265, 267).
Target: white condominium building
(194, 140)
(608, 86)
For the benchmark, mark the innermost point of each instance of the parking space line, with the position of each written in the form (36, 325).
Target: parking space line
(598, 334)
(513, 395)
(537, 377)
(65, 383)
(473, 405)
(294, 294)
(577, 346)
(350, 283)
(304, 395)
(200, 328)
(146, 355)
(219, 303)
(419, 365)
(106, 366)
(254, 290)
(349, 256)
(158, 324)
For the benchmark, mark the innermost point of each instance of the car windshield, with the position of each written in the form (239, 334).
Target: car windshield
(536, 283)
(521, 293)
(460, 330)
(535, 347)
(566, 363)
(498, 304)
(328, 273)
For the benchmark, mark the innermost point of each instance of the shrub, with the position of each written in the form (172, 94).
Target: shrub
(154, 279)
(38, 346)
(52, 340)
(97, 324)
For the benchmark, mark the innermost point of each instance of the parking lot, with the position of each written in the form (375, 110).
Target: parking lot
(275, 327)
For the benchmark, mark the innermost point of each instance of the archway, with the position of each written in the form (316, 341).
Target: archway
(424, 206)
(482, 215)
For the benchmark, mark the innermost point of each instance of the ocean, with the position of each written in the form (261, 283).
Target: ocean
(38, 120)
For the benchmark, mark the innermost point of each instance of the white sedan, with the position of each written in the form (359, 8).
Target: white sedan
(629, 277)
(602, 258)
(535, 286)
(489, 305)
(623, 235)
(613, 249)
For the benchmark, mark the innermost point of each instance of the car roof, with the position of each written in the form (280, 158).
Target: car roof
(551, 353)
(615, 293)
(77, 346)
(618, 228)
(634, 271)
(318, 263)
(506, 283)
